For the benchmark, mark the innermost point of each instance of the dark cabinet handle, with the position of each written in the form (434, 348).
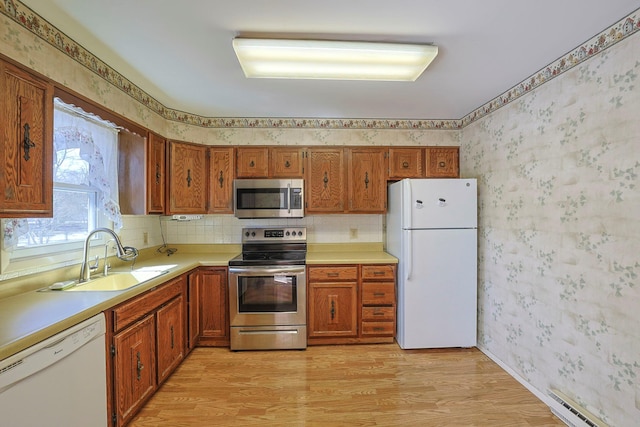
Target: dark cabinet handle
(172, 343)
(333, 309)
(158, 173)
(378, 273)
(442, 164)
(189, 178)
(221, 179)
(27, 144)
(251, 164)
(405, 165)
(325, 180)
(366, 180)
(378, 294)
(139, 366)
(287, 164)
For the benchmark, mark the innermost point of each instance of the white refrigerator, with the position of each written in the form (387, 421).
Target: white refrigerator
(432, 230)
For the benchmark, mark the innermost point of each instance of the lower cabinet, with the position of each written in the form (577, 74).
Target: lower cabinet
(209, 307)
(351, 304)
(146, 336)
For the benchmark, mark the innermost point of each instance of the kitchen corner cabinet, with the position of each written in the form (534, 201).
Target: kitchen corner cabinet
(367, 180)
(209, 307)
(221, 170)
(442, 162)
(351, 304)
(141, 173)
(332, 303)
(325, 180)
(146, 341)
(270, 162)
(406, 162)
(26, 149)
(187, 178)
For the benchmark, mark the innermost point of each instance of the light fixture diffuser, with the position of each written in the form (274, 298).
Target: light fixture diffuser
(333, 60)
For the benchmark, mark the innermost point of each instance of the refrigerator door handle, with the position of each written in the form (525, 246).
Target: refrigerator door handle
(409, 255)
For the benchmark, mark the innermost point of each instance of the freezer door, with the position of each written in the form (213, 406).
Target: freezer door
(437, 289)
(439, 203)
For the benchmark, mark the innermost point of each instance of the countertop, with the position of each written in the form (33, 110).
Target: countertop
(30, 317)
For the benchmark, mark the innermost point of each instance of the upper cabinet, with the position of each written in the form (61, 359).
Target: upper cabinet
(367, 180)
(187, 178)
(141, 173)
(442, 162)
(270, 162)
(406, 162)
(26, 149)
(222, 165)
(325, 180)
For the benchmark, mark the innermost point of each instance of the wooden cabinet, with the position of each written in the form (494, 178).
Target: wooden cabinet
(332, 303)
(187, 174)
(170, 337)
(270, 162)
(26, 147)
(351, 304)
(209, 288)
(367, 180)
(221, 169)
(325, 180)
(406, 162)
(146, 339)
(253, 162)
(378, 301)
(442, 162)
(141, 173)
(134, 375)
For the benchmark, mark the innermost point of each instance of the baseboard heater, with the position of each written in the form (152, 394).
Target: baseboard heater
(571, 413)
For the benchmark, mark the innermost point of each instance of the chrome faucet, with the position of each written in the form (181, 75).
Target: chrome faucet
(125, 253)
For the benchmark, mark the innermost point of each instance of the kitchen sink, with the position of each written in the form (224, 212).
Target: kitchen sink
(115, 280)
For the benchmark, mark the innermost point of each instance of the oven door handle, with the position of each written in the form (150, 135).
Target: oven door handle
(261, 271)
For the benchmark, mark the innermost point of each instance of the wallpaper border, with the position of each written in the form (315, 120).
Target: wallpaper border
(40, 27)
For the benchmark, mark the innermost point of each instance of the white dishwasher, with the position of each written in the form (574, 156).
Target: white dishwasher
(60, 381)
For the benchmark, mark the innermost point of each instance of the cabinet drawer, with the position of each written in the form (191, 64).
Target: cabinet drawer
(378, 314)
(372, 272)
(378, 293)
(333, 273)
(378, 328)
(137, 307)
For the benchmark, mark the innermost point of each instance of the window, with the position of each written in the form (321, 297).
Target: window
(85, 193)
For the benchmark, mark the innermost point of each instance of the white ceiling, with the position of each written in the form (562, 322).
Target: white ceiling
(180, 52)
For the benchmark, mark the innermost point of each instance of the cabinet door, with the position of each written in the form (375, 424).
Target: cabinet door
(286, 162)
(170, 335)
(325, 187)
(367, 180)
(187, 178)
(212, 291)
(134, 367)
(193, 325)
(406, 163)
(443, 162)
(333, 309)
(156, 149)
(26, 147)
(222, 165)
(253, 162)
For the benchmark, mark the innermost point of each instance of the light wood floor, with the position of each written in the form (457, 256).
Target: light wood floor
(357, 385)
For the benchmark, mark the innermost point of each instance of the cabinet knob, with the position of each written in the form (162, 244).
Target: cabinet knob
(287, 164)
(366, 180)
(139, 366)
(158, 173)
(442, 164)
(251, 164)
(325, 179)
(221, 179)
(189, 179)
(405, 165)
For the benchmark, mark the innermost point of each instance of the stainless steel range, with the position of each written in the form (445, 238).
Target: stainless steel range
(267, 290)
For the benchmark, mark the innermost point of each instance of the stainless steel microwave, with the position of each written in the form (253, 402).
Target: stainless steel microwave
(268, 198)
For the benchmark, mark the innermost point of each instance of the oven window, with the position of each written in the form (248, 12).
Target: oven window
(262, 294)
(261, 198)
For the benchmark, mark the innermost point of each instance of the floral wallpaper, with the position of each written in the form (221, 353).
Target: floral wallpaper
(559, 225)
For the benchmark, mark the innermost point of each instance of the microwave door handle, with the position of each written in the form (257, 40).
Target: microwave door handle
(289, 198)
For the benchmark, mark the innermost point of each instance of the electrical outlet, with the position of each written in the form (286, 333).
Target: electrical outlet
(145, 237)
(353, 233)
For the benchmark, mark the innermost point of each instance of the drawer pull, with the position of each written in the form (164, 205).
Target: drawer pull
(333, 274)
(379, 294)
(378, 313)
(378, 273)
(378, 328)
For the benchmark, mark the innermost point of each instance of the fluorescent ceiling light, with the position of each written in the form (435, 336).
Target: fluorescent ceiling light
(333, 60)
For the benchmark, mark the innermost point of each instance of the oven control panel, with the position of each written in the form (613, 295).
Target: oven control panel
(274, 234)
